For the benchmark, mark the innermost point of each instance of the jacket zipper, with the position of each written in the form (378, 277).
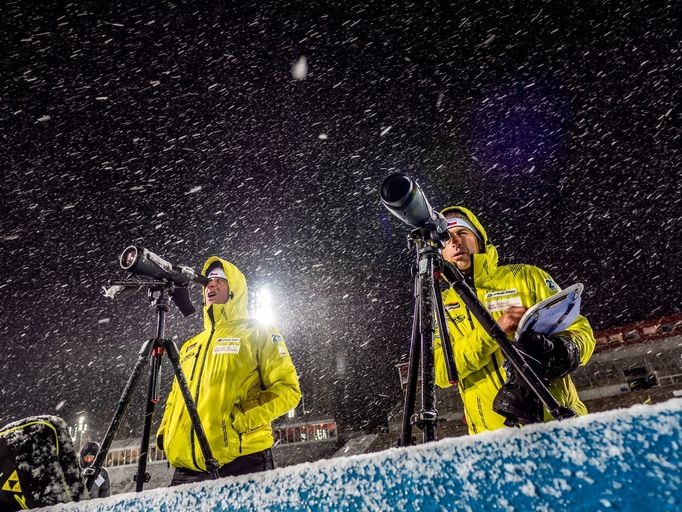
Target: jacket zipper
(480, 413)
(196, 396)
(240, 442)
(494, 359)
(471, 322)
(470, 282)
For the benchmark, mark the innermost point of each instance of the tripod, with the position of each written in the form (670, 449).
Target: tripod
(152, 351)
(430, 268)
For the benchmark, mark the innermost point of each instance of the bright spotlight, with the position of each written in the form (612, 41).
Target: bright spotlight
(264, 311)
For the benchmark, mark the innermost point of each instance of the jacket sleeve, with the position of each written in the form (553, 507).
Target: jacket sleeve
(579, 331)
(280, 390)
(471, 352)
(105, 488)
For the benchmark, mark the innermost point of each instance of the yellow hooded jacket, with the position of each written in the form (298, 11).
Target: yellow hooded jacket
(478, 358)
(241, 377)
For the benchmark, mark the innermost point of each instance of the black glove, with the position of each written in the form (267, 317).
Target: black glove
(516, 401)
(550, 357)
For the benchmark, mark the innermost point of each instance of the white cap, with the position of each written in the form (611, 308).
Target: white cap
(216, 271)
(455, 222)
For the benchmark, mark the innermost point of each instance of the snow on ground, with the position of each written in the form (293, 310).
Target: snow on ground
(627, 459)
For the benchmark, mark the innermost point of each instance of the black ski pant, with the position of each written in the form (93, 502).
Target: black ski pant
(252, 463)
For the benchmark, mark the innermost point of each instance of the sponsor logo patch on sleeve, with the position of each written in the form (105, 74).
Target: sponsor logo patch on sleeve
(458, 319)
(188, 353)
(276, 338)
(282, 351)
(227, 346)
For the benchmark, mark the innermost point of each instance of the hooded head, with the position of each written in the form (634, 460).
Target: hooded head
(469, 246)
(88, 453)
(235, 296)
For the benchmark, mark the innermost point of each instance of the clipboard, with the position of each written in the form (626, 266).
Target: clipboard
(554, 314)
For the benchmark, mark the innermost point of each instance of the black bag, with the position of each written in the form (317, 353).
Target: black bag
(38, 464)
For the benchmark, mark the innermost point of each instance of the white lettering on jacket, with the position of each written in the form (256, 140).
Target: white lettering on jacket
(227, 346)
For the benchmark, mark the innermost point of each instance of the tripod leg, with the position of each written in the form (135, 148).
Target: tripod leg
(428, 415)
(141, 477)
(211, 463)
(93, 471)
(445, 336)
(412, 373)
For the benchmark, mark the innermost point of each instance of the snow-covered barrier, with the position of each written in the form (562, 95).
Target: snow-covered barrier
(627, 460)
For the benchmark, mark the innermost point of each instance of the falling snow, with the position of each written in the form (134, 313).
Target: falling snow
(300, 69)
(261, 133)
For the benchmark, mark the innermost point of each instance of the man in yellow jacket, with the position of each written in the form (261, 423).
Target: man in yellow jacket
(507, 292)
(241, 377)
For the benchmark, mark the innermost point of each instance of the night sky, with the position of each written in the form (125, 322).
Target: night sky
(261, 134)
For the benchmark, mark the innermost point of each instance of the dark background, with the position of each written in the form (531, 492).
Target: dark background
(181, 129)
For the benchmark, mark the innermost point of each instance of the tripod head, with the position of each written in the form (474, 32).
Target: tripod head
(426, 238)
(121, 290)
